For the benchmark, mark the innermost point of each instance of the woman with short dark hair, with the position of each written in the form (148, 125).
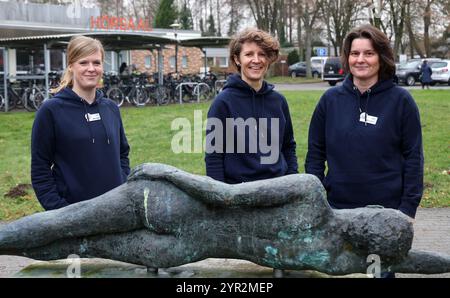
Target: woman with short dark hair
(368, 132)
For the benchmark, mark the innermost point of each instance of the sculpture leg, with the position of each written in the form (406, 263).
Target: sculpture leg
(141, 247)
(114, 211)
(423, 262)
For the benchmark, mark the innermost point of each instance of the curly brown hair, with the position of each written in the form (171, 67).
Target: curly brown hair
(381, 45)
(264, 40)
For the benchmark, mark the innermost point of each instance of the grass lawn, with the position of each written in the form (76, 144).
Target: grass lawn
(149, 134)
(289, 80)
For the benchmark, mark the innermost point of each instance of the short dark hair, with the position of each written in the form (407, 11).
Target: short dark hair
(264, 40)
(380, 43)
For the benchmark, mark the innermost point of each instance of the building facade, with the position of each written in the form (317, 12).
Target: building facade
(30, 19)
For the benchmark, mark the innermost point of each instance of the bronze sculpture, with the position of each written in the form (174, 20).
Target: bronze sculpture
(165, 217)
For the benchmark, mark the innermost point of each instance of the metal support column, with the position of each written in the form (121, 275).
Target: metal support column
(5, 76)
(47, 67)
(206, 60)
(160, 66)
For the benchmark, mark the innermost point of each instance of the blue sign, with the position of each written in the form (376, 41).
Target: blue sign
(322, 51)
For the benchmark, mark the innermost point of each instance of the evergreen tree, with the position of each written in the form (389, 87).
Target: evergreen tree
(166, 14)
(186, 17)
(211, 27)
(202, 29)
(293, 57)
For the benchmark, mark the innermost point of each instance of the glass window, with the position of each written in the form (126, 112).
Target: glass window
(222, 61)
(108, 67)
(148, 61)
(123, 57)
(56, 62)
(184, 62)
(172, 61)
(210, 61)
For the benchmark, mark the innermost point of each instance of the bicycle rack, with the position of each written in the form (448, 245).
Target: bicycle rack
(197, 88)
(217, 83)
(181, 89)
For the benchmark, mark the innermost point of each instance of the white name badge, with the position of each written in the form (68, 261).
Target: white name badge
(370, 119)
(92, 117)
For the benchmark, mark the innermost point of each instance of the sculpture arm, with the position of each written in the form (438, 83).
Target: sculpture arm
(270, 192)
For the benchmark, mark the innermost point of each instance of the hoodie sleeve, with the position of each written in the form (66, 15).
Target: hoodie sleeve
(289, 144)
(215, 160)
(412, 152)
(124, 150)
(42, 158)
(316, 155)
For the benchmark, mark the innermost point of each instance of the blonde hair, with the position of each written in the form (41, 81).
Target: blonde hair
(264, 40)
(79, 47)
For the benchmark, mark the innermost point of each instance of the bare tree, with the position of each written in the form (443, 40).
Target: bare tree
(263, 12)
(219, 31)
(339, 17)
(308, 16)
(413, 44)
(235, 15)
(398, 12)
(299, 30)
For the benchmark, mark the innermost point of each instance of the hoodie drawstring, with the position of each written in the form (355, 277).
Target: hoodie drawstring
(89, 126)
(86, 114)
(366, 108)
(104, 126)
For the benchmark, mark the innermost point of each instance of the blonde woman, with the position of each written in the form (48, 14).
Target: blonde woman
(78, 145)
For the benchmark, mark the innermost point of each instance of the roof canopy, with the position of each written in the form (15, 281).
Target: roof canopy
(112, 41)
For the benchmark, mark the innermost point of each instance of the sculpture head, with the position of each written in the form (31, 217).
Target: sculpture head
(385, 232)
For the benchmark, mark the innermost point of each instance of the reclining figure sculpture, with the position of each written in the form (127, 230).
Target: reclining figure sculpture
(164, 217)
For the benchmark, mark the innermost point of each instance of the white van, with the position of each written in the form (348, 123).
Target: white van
(318, 62)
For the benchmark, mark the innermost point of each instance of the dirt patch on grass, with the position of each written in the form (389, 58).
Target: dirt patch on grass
(428, 185)
(18, 191)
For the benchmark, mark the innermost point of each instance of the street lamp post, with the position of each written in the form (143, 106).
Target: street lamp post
(176, 26)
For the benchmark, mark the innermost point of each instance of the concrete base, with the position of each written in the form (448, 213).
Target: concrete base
(209, 268)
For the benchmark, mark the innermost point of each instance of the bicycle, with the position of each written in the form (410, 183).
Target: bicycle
(133, 92)
(33, 97)
(15, 97)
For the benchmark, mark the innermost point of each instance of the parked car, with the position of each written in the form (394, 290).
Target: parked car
(441, 72)
(299, 70)
(408, 73)
(333, 71)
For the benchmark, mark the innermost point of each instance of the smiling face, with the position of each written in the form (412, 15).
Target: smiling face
(254, 64)
(87, 71)
(364, 62)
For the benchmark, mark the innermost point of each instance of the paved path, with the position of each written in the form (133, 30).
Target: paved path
(431, 232)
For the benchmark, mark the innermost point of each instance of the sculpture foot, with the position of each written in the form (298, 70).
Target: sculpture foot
(152, 270)
(278, 273)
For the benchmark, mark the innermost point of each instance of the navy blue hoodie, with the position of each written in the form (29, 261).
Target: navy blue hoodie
(239, 100)
(73, 160)
(368, 164)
